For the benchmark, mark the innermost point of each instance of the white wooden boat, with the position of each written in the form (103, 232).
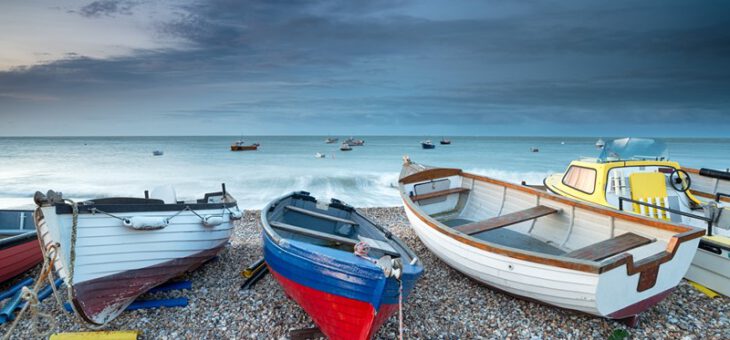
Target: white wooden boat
(711, 265)
(544, 247)
(121, 247)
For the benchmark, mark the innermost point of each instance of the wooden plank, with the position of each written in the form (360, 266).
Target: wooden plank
(320, 215)
(328, 237)
(440, 193)
(313, 233)
(429, 174)
(506, 220)
(613, 246)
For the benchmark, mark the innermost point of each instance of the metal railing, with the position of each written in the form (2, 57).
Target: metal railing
(673, 211)
(719, 195)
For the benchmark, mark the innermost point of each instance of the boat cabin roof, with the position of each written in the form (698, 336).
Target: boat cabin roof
(626, 149)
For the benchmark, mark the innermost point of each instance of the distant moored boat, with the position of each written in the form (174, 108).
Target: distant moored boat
(445, 141)
(426, 144)
(354, 142)
(158, 153)
(345, 147)
(331, 140)
(319, 155)
(241, 146)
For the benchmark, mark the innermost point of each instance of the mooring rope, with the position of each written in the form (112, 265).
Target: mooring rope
(400, 309)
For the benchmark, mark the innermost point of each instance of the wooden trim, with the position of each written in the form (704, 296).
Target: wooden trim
(691, 170)
(506, 220)
(430, 174)
(319, 215)
(685, 233)
(440, 193)
(664, 225)
(709, 196)
(329, 237)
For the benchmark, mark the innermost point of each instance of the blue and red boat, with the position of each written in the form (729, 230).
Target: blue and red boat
(348, 273)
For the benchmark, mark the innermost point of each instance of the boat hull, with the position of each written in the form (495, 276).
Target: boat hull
(244, 147)
(711, 265)
(344, 301)
(112, 264)
(610, 294)
(19, 255)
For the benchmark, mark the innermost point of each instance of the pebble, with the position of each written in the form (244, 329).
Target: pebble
(444, 305)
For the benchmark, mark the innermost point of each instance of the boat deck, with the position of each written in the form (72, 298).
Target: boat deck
(509, 238)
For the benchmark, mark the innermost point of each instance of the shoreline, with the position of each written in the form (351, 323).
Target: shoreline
(444, 304)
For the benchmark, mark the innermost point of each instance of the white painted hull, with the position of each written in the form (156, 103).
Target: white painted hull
(597, 294)
(711, 270)
(107, 250)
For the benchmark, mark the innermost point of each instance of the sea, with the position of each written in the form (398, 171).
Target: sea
(91, 167)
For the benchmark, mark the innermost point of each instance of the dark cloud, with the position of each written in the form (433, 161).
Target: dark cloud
(107, 8)
(383, 60)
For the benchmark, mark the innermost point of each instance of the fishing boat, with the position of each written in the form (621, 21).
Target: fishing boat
(354, 142)
(345, 147)
(534, 149)
(445, 141)
(343, 269)
(239, 145)
(111, 250)
(158, 153)
(19, 249)
(319, 155)
(331, 140)
(636, 175)
(545, 247)
(426, 144)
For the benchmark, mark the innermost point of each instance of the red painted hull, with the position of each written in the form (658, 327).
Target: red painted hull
(101, 300)
(19, 258)
(336, 316)
(639, 307)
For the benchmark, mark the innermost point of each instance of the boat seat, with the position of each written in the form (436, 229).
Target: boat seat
(613, 246)
(506, 220)
(439, 193)
(320, 215)
(328, 237)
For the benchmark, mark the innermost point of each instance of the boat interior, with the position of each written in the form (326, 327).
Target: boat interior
(335, 225)
(527, 220)
(16, 222)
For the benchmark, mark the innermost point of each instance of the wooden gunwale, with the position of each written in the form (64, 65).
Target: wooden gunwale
(686, 233)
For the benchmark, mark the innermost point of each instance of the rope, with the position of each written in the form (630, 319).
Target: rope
(362, 249)
(31, 298)
(400, 309)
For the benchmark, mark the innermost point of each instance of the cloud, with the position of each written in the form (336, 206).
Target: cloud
(108, 8)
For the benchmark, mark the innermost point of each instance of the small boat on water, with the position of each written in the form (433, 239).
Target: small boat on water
(319, 155)
(426, 144)
(445, 141)
(534, 149)
(345, 147)
(331, 140)
(354, 142)
(19, 250)
(158, 153)
(241, 146)
(544, 247)
(111, 250)
(344, 270)
(636, 175)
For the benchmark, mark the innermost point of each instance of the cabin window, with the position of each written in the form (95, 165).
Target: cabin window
(581, 179)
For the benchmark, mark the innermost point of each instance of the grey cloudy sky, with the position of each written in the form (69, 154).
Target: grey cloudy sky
(497, 67)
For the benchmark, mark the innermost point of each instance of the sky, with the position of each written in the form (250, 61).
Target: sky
(374, 67)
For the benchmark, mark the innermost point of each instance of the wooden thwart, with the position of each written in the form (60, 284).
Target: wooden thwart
(319, 215)
(440, 193)
(328, 237)
(506, 220)
(613, 246)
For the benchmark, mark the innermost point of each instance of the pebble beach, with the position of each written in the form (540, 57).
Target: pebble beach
(444, 305)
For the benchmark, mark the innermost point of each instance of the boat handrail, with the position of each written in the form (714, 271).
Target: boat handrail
(674, 211)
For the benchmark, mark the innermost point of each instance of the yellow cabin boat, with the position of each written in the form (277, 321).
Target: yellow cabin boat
(636, 175)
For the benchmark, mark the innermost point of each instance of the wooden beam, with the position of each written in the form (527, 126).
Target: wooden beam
(327, 236)
(319, 215)
(506, 220)
(440, 193)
